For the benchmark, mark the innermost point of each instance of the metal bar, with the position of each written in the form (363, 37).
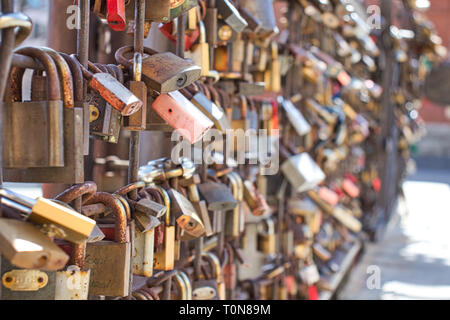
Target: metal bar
(181, 31)
(83, 32)
(198, 257)
(8, 42)
(134, 135)
(79, 251)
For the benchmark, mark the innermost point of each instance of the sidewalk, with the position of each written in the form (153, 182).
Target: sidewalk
(413, 257)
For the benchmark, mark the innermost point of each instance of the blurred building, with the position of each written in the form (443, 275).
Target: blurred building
(436, 144)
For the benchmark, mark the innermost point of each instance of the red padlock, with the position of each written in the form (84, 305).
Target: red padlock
(116, 15)
(189, 39)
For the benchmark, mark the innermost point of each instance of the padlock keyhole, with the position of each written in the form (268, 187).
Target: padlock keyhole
(181, 81)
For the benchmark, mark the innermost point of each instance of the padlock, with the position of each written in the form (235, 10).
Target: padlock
(53, 218)
(302, 172)
(256, 203)
(263, 11)
(79, 101)
(272, 76)
(146, 218)
(182, 115)
(162, 72)
(206, 289)
(72, 283)
(26, 247)
(109, 261)
(240, 123)
(184, 286)
(231, 15)
(217, 196)
(170, 31)
(105, 121)
(266, 240)
(110, 89)
(215, 262)
(73, 135)
(44, 144)
(214, 112)
(137, 121)
(339, 212)
(186, 215)
(26, 284)
(199, 53)
(84, 191)
(164, 260)
(235, 219)
(295, 117)
(116, 14)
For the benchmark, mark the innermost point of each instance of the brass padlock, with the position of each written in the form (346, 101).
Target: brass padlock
(54, 219)
(40, 145)
(199, 53)
(79, 102)
(206, 289)
(109, 261)
(164, 260)
(272, 76)
(266, 240)
(74, 137)
(162, 72)
(26, 247)
(137, 121)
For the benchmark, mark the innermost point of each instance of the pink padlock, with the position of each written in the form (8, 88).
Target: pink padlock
(182, 115)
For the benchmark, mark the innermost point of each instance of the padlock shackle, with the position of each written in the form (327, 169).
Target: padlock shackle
(100, 67)
(166, 199)
(155, 194)
(179, 280)
(118, 71)
(109, 200)
(126, 190)
(214, 94)
(65, 75)
(13, 90)
(214, 261)
(187, 283)
(53, 88)
(84, 190)
(77, 76)
(270, 224)
(243, 106)
(125, 205)
(120, 55)
(94, 68)
(18, 20)
(86, 73)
